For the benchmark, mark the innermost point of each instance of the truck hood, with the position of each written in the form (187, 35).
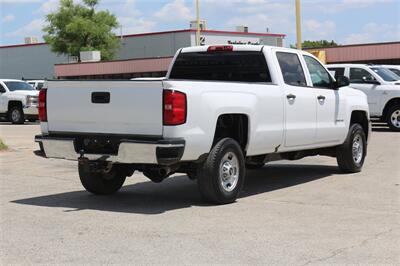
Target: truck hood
(23, 93)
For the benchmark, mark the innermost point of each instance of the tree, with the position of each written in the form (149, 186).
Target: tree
(80, 27)
(317, 44)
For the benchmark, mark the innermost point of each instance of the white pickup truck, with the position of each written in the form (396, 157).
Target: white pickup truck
(220, 110)
(18, 101)
(381, 86)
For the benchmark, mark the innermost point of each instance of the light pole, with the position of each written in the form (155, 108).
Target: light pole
(298, 24)
(197, 22)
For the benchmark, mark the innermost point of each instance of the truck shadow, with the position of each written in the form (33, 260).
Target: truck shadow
(179, 192)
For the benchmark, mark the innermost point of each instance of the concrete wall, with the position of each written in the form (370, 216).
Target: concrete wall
(157, 45)
(31, 62)
(37, 61)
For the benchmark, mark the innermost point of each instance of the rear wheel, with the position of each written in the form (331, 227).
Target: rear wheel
(393, 117)
(102, 182)
(16, 115)
(351, 154)
(221, 178)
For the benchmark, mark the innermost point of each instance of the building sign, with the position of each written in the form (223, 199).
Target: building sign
(229, 39)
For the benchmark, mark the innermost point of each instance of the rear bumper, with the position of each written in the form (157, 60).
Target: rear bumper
(162, 152)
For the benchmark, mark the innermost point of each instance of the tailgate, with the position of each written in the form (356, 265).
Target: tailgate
(106, 107)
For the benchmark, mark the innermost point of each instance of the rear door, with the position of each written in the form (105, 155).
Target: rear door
(105, 107)
(300, 104)
(330, 125)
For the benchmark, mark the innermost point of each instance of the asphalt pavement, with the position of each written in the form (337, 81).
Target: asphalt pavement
(291, 213)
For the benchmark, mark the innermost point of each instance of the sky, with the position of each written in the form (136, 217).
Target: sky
(344, 21)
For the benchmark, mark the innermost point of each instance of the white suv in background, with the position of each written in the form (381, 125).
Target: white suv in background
(381, 86)
(394, 68)
(36, 84)
(18, 101)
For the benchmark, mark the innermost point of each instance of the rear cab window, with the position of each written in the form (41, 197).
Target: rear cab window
(234, 66)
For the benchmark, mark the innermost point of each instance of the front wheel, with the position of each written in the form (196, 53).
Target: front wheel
(393, 117)
(351, 154)
(221, 177)
(102, 182)
(16, 115)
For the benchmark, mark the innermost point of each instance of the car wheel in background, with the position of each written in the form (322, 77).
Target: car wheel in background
(16, 115)
(393, 117)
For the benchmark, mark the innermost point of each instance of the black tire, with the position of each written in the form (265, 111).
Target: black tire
(393, 117)
(254, 166)
(16, 115)
(347, 161)
(209, 179)
(101, 183)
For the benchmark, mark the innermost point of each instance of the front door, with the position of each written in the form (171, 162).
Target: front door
(330, 120)
(300, 105)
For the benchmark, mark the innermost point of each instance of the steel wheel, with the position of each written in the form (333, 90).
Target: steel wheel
(229, 171)
(358, 148)
(395, 119)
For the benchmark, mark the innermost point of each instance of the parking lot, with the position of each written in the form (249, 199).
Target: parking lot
(297, 213)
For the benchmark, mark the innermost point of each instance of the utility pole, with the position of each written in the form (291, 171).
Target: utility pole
(298, 24)
(197, 22)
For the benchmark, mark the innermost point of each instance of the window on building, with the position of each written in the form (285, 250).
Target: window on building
(291, 68)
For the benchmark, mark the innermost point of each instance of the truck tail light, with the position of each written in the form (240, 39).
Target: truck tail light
(42, 105)
(174, 108)
(220, 48)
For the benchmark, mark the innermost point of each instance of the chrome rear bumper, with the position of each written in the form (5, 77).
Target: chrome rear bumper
(163, 152)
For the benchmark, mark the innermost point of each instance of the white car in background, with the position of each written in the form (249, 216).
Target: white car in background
(394, 68)
(36, 84)
(381, 86)
(18, 101)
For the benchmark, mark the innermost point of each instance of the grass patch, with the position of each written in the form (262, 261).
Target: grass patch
(2, 146)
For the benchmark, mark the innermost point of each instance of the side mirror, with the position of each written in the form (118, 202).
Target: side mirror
(370, 80)
(342, 81)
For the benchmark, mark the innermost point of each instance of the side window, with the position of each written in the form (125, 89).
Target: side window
(338, 71)
(2, 89)
(358, 75)
(40, 86)
(291, 68)
(319, 76)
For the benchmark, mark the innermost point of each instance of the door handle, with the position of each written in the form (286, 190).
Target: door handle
(100, 97)
(321, 98)
(291, 96)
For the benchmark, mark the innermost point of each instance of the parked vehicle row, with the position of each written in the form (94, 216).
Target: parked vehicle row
(18, 101)
(219, 109)
(381, 86)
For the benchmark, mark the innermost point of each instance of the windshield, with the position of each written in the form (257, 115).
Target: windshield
(385, 74)
(18, 86)
(396, 71)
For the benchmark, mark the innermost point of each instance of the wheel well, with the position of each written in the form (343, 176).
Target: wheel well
(14, 103)
(390, 104)
(235, 126)
(360, 117)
